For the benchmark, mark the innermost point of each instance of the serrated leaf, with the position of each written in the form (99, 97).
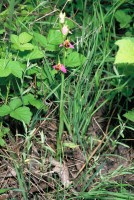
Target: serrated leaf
(5, 110)
(8, 67)
(30, 99)
(24, 47)
(70, 145)
(55, 37)
(74, 59)
(15, 103)
(51, 47)
(41, 39)
(14, 39)
(15, 68)
(125, 53)
(25, 37)
(130, 115)
(35, 54)
(22, 114)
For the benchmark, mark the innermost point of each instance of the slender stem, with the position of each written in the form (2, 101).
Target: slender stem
(8, 89)
(61, 125)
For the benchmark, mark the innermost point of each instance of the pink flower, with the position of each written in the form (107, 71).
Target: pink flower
(65, 30)
(67, 44)
(60, 67)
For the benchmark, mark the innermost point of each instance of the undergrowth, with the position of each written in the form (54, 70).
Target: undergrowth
(66, 90)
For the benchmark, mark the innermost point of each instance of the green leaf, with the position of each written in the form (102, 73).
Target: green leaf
(15, 103)
(51, 47)
(14, 39)
(8, 67)
(30, 99)
(4, 131)
(2, 144)
(4, 110)
(40, 39)
(22, 114)
(130, 115)
(24, 47)
(4, 190)
(2, 31)
(15, 68)
(123, 18)
(125, 53)
(74, 59)
(35, 54)
(70, 145)
(55, 37)
(25, 37)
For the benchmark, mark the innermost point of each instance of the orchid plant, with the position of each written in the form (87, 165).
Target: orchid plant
(73, 59)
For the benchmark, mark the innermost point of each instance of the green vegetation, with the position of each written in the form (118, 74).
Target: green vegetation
(66, 99)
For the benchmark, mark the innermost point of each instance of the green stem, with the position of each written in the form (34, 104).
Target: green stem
(8, 89)
(6, 100)
(61, 125)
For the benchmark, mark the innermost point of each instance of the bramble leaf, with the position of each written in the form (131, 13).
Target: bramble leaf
(41, 39)
(30, 99)
(8, 67)
(55, 37)
(35, 54)
(75, 59)
(4, 110)
(15, 103)
(26, 46)
(22, 114)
